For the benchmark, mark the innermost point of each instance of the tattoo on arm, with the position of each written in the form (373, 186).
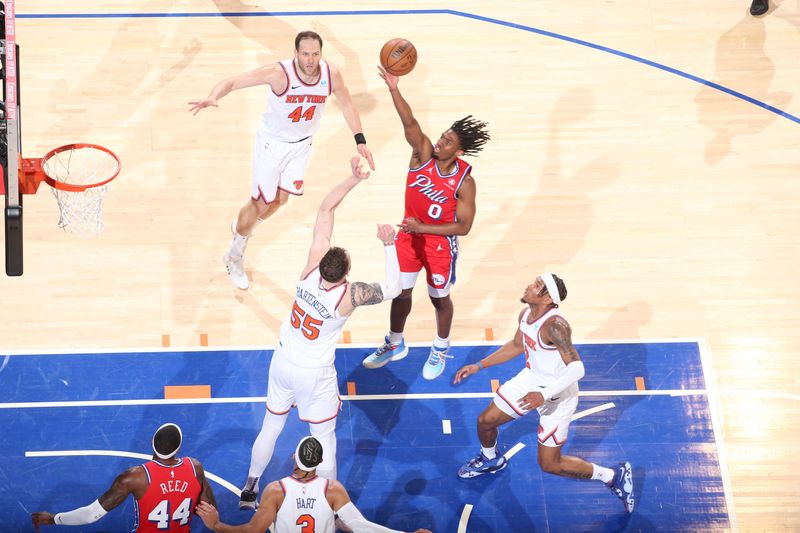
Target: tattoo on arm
(365, 293)
(561, 337)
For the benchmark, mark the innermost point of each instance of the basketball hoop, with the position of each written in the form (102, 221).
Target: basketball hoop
(79, 175)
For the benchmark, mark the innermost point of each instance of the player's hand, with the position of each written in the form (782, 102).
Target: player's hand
(202, 104)
(464, 372)
(532, 400)
(386, 234)
(411, 225)
(422, 531)
(358, 172)
(366, 154)
(208, 514)
(390, 79)
(43, 518)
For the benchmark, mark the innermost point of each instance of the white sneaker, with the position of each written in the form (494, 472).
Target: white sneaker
(434, 366)
(236, 272)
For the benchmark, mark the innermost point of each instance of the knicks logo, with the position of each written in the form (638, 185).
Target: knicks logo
(298, 184)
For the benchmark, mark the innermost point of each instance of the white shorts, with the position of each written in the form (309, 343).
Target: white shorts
(278, 165)
(315, 391)
(554, 416)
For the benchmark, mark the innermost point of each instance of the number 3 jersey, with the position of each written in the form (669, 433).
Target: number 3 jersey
(305, 507)
(310, 333)
(170, 499)
(295, 114)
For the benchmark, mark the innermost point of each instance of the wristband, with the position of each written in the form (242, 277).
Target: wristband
(359, 137)
(480, 364)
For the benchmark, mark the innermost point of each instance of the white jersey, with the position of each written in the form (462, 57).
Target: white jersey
(305, 507)
(295, 114)
(310, 333)
(543, 361)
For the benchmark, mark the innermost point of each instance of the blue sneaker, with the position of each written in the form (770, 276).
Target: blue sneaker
(622, 485)
(384, 354)
(481, 464)
(434, 366)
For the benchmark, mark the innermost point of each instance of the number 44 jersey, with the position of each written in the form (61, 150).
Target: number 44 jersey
(170, 499)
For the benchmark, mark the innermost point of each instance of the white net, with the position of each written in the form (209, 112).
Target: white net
(81, 168)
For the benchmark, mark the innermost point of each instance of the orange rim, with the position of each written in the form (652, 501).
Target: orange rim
(78, 188)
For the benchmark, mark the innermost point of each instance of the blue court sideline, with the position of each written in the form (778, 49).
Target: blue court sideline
(395, 457)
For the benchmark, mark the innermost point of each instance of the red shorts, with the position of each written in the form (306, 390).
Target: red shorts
(437, 254)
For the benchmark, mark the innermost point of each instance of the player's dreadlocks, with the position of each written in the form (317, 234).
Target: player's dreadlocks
(472, 134)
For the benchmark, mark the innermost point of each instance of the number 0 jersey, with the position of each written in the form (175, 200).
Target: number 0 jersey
(295, 114)
(170, 499)
(431, 197)
(305, 507)
(310, 333)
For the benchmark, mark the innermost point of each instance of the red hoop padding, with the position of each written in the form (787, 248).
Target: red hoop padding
(70, 187)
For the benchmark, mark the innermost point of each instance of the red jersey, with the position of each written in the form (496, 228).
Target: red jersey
(431, 197)
(172, 494)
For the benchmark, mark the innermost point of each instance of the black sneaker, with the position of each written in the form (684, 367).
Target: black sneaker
(759, 7)
(248, 501)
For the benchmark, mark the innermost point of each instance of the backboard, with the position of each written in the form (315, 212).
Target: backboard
(10, 142)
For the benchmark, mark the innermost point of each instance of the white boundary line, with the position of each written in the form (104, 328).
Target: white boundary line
(462, 522)
(717, 428)
(167, 349)
(115, 453)
(593, 410)
(364, 397)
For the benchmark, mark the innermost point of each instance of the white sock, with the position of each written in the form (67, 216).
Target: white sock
(490, 453)
(265, 443)
(602, 473)
(441, 343)
(238, 246)
(395, 338)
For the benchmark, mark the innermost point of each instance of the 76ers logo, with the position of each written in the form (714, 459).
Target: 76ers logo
(298, 184)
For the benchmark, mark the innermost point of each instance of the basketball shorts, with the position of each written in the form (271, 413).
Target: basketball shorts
(554, 415)
(435, 253)
(278, 165)
(315, 391)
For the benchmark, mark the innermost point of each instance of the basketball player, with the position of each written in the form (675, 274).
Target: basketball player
(302, 501)
(547, 383)
(440, 206)
(299, 91)
(301, 371)
(166, 491)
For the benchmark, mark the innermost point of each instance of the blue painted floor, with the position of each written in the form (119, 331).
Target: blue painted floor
(398, 465)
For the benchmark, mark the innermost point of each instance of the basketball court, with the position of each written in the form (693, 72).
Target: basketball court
(646, 153)
(400, 438)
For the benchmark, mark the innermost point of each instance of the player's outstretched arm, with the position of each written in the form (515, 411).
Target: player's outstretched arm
(323, 228)
(124, 484)
(348, 513)
(350, 114)
(506, 352)
(272, 75)
(271, 501)
(421, 145)
(374, 293)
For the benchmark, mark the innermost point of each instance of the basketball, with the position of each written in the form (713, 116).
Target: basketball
(398, 57)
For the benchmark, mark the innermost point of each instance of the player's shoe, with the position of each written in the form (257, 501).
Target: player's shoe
(248, 501)
(622, 485)
(385, 353)
(236, 272)
(434, 366)
(481, 464)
